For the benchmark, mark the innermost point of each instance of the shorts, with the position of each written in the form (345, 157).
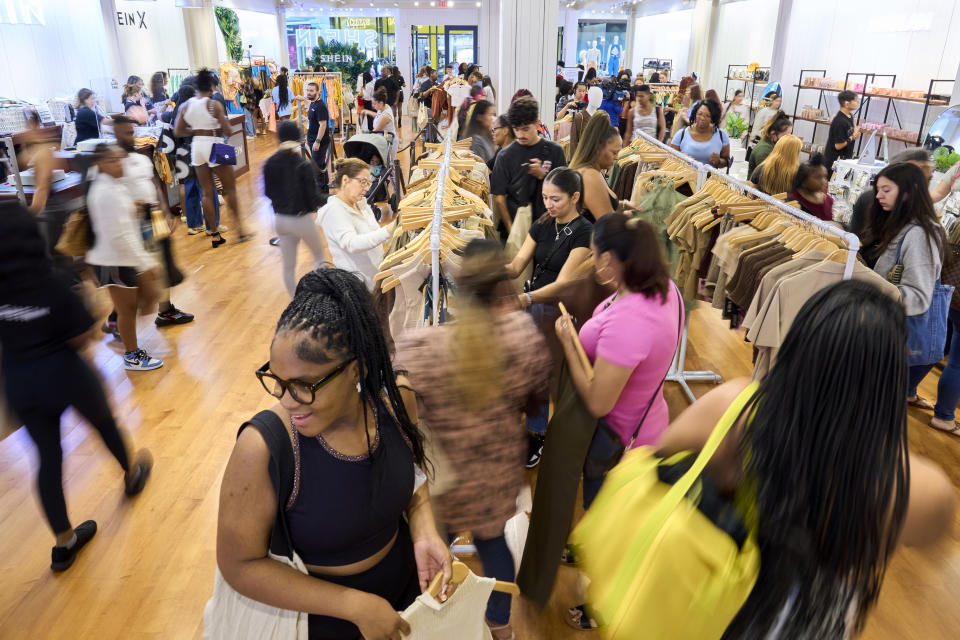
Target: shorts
(200, 148)
(125, 277)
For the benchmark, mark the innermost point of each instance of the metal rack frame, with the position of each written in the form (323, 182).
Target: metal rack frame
(752, 83)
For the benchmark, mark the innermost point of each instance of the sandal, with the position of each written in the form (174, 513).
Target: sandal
(138, 475)
(920, 403)
(567, 557)
(954, 431)
(578, 618)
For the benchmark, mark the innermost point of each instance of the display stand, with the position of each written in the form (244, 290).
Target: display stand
(658, 64)
(677, 373)
(866, 99)
(752, 83)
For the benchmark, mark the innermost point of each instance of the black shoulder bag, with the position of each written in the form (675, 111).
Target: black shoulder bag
(530, 285)
(606, 447)
(281, 468)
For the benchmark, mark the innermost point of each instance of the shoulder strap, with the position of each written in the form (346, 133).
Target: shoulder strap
(900, 246)
(282, 467)
(667, 372)
(543, 265)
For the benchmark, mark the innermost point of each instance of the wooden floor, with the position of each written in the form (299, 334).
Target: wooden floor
(149, 570)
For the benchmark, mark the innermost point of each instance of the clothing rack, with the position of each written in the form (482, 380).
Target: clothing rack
(677, 373)
(319, 77)
(437, 225)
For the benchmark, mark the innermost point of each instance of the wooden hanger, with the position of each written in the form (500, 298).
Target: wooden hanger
(584, 360)
(460, 573)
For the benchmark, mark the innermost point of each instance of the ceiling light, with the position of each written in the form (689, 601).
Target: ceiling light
(478, 4)
(432, 3)
(417, 3)
(450, 4)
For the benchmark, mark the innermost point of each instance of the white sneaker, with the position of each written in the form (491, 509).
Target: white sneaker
(139, 361)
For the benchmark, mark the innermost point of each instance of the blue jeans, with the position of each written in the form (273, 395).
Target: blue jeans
(544, 316)
(497, 563)
(948, 389)
(248, 123)
(192, 204)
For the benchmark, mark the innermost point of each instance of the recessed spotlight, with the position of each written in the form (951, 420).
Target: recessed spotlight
(433, 3)
(450, 4)
(478, 4)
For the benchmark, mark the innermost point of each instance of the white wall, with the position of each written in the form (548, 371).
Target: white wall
(256, 28)
(154, 41)
(57, 58)
(915, 39)
(664, 35)
(744, 33)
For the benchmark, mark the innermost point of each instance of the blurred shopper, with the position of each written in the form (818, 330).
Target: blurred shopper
(43, 324)
(289, 181)
(473, 378)
(118, 256)
(821, 449)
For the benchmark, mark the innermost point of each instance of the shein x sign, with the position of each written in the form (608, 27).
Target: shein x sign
(21, 12)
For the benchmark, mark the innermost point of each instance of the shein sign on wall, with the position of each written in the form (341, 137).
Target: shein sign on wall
(21, 12)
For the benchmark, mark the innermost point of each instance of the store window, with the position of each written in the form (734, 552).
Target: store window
(438, 46)
(375, 37)
(601, 45)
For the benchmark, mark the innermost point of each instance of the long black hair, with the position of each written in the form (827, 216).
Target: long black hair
(23, 255)
(334, 308)
(474, 127)
(913, 206)
(825, 459)
(282, 91)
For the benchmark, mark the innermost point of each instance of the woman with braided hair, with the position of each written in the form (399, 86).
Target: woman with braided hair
(358, 513)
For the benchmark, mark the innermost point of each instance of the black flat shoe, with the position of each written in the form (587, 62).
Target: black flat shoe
(218, 242)
(141, 471)
(61, 558)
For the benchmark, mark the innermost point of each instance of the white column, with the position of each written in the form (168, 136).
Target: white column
(201, 38)
(118, 76)
(488, 48)
(956, 90)
(780, 41)
(284, 60)
(401, 27)
(528, 43)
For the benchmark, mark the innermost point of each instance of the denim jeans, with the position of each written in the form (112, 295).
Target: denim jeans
(948, 389)
(192, 204)
(249, 123)
(497, 563)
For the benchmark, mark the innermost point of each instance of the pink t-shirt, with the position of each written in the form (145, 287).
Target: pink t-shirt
(639, 333)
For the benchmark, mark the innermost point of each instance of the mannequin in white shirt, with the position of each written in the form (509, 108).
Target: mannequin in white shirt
(353, 235)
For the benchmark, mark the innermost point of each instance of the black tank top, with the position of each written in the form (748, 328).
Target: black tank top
(331, 517)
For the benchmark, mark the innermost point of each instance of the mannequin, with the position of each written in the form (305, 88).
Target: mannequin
(594, 98)
(593, 56)
(613, 56)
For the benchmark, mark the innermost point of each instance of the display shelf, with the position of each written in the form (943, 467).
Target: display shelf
(866, 99)
(869, 94)
(751, 82)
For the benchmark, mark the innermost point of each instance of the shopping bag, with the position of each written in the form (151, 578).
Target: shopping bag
(522, 221)
(76, 237)
(422, 116)
(229, 615)
(660, 556)
(515, 531)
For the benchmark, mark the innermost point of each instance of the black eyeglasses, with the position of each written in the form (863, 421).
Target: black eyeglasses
(300, 390)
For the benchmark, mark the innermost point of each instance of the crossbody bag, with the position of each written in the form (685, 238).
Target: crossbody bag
(606, 447)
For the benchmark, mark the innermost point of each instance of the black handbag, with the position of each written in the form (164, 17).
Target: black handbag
(606, 447)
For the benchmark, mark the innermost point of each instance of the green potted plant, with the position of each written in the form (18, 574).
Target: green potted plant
(945, 158)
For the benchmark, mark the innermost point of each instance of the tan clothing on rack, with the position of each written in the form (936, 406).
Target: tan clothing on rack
(790, 294)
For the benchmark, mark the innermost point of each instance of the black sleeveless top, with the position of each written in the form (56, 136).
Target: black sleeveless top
(331, 517)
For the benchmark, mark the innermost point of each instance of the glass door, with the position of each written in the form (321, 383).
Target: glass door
(462, 45)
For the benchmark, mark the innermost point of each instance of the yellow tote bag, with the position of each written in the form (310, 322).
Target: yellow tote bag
(658, 567)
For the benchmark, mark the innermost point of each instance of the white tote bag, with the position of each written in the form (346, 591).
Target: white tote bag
(522, 221)
(232, 616)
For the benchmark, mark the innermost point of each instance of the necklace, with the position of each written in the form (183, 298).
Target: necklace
(559, 229)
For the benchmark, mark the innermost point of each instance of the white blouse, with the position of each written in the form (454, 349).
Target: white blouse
(116, 227)
(355, 238)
